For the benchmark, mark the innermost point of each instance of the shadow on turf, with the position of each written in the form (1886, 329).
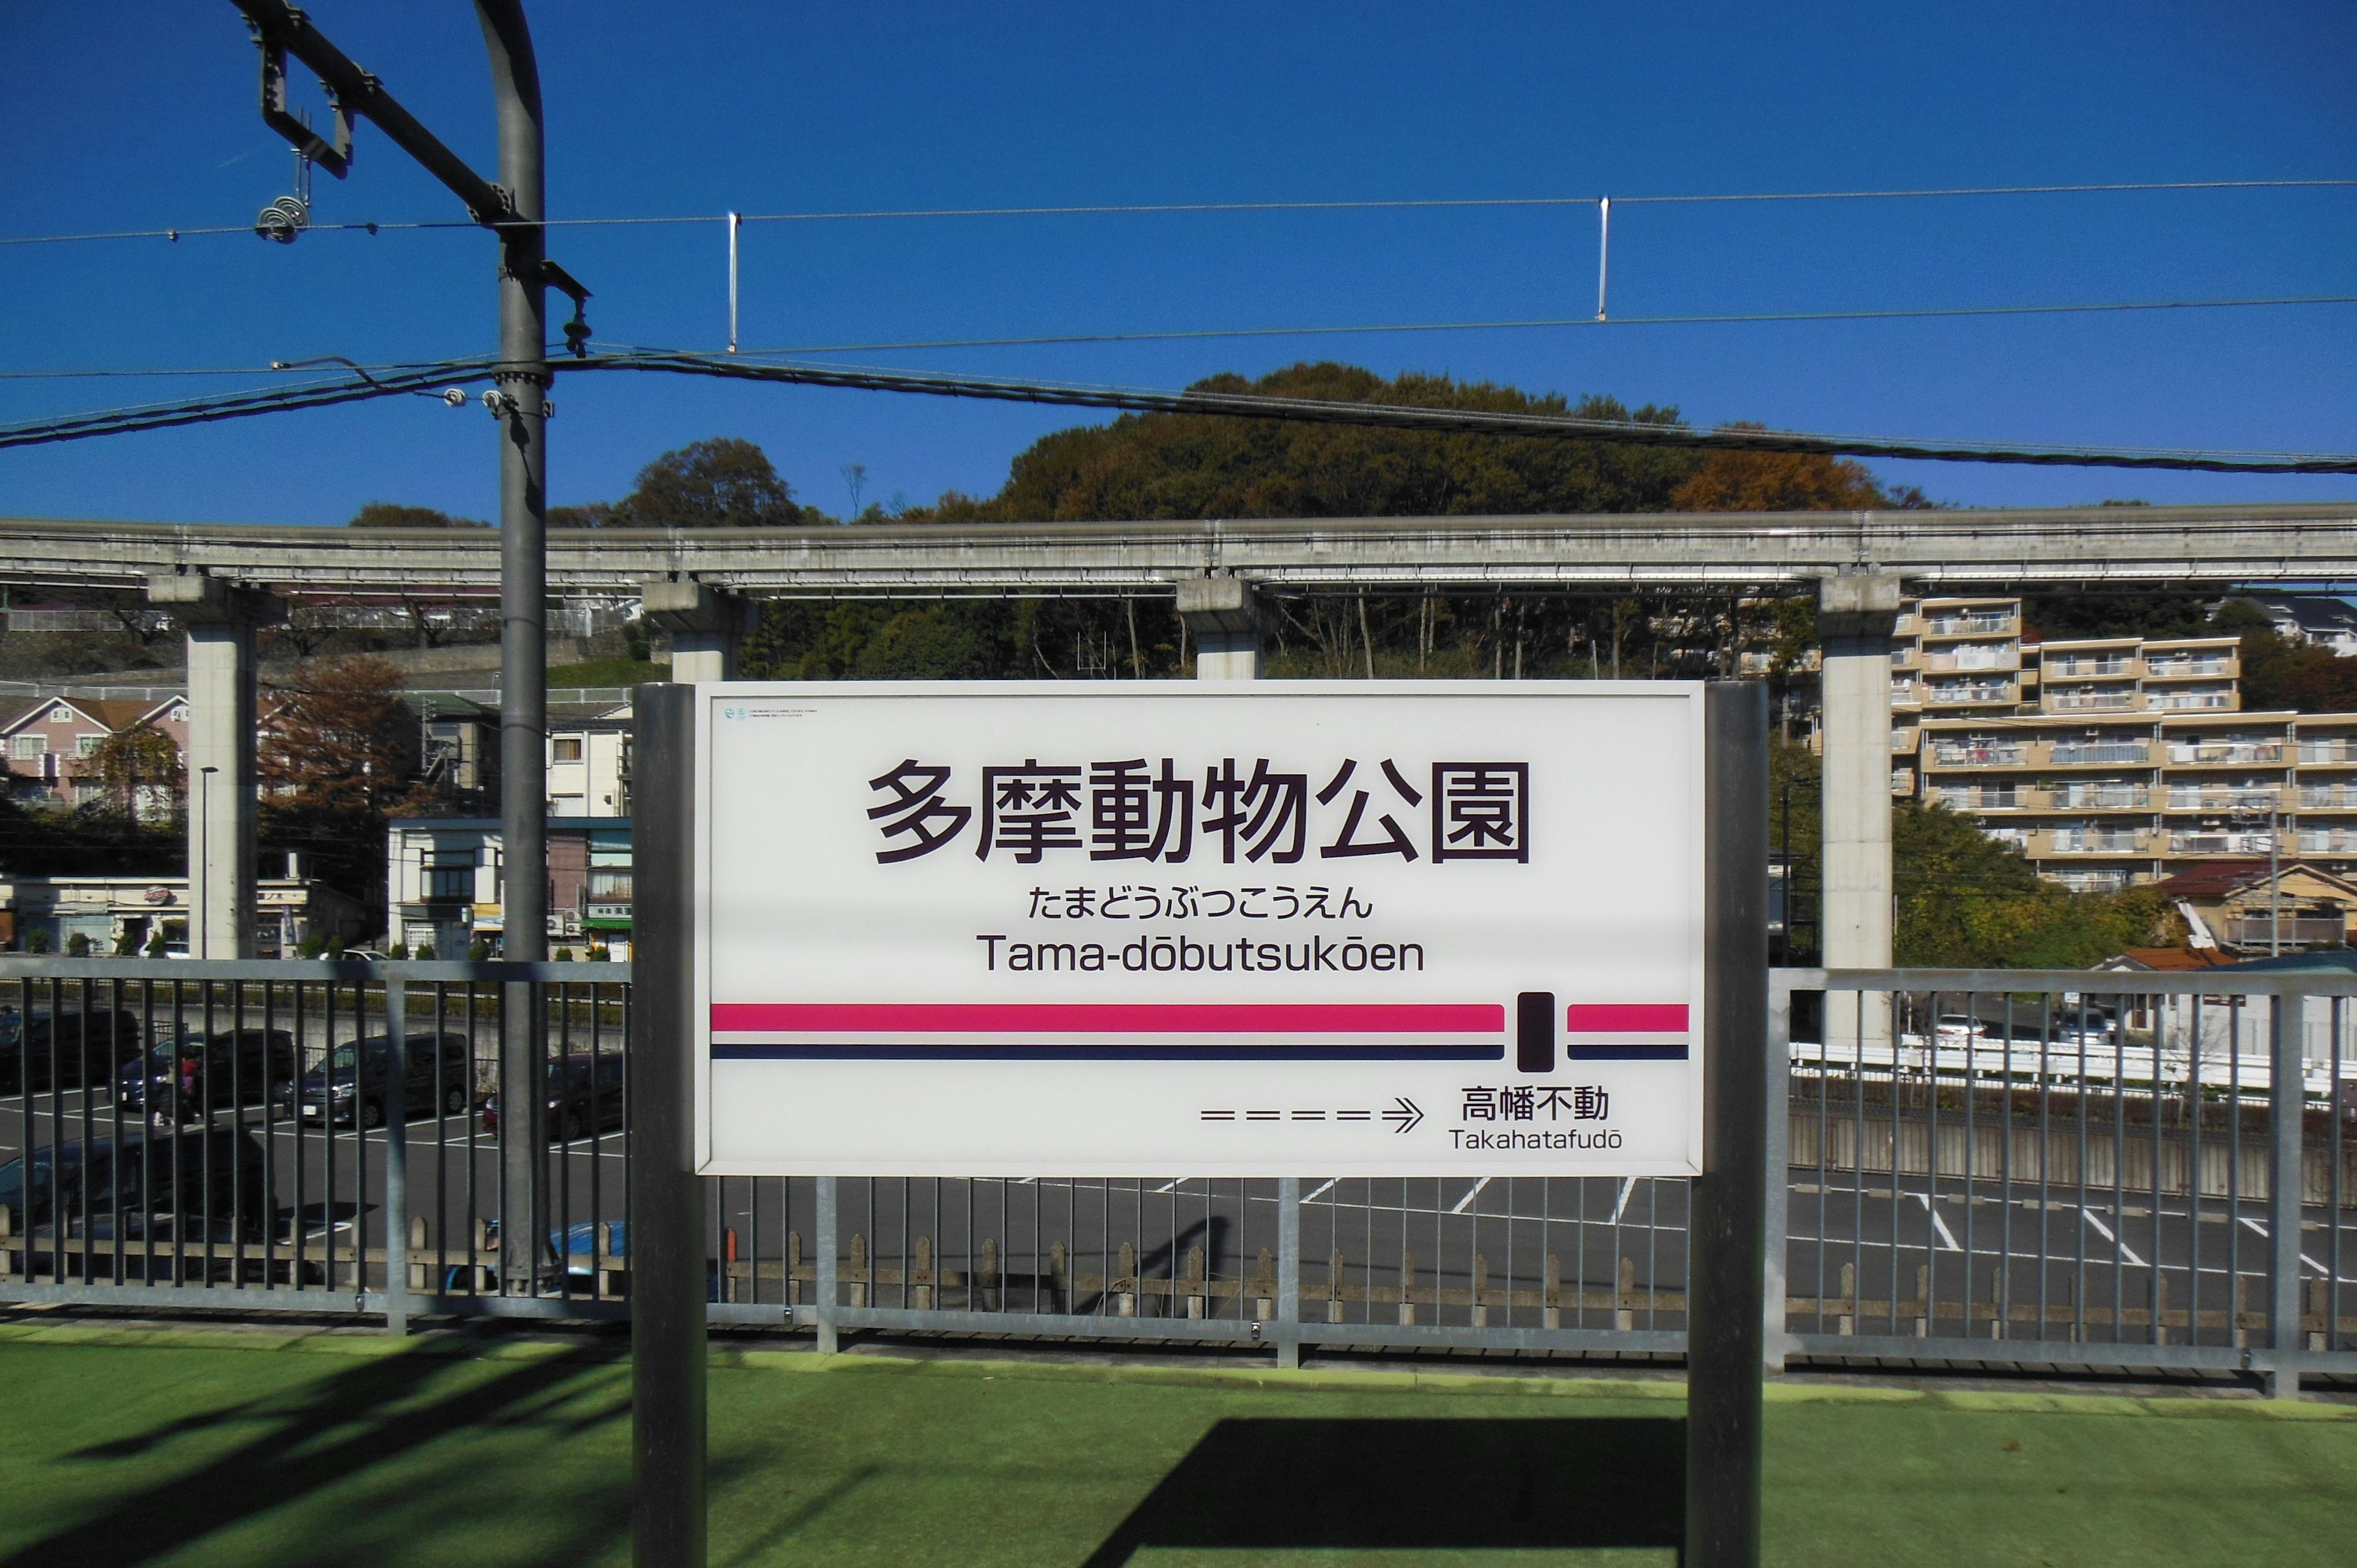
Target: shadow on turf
(1465, 1484)
(332, 1431)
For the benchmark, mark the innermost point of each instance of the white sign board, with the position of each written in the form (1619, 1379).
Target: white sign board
(1275, 928)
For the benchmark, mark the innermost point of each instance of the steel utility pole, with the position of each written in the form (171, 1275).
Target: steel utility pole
(512, 209)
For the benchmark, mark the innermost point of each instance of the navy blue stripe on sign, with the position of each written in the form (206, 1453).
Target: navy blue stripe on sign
(1625, 1053)
(895, 1051)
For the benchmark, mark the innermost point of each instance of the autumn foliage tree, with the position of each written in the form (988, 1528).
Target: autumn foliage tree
(339, 754)
(1785, 481)
(139, 764)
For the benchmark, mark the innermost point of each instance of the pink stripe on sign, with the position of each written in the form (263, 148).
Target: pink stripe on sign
(1640, 1019)
(1107, 1018)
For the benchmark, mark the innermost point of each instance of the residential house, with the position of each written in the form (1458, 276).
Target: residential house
(445, 883)
(51, 743)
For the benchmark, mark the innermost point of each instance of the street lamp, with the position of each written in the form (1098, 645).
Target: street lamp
(201, 877)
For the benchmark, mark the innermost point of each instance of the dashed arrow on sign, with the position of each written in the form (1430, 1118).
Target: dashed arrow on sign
(1405, 1112)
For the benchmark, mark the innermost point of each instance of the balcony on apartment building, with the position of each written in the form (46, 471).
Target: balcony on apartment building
(2097, 797)
(1966, 657)
(2215, 753)
(2093, 878)
(2103, 795)
(1959, 693)
(2224, 798)
(2340, 797)
(2096, 751)
(2223, 840)
(1970, 622)
(1977, 752)
(2091, 841)
(2327, 753)
(2194, 700)
(1983, 797)
(2087, 666)
(2188, 666)
(2090, 699)
(2327, 840)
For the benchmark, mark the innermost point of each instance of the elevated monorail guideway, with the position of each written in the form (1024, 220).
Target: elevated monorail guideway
(1936, 550)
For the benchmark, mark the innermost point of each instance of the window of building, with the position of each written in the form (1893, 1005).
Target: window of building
(568, 749)
(28, 745)
(87, 744)
(62, 715)
(452, 883)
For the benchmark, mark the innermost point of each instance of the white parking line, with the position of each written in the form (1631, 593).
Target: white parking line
(1323, 1188)
(2105, 1230)
(1947, 1238)
(1470, 1194)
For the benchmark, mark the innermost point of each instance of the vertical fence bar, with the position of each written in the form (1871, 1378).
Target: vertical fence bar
(829, 1285)
(1724, 1327)
(667, 1216)
(1288, 1271)
(2286, 1107)
(396, 1158)
(1776, 1183)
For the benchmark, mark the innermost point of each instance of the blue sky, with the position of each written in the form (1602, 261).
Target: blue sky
(143, 115)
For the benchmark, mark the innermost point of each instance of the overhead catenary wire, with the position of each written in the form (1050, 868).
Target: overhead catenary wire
(1763, 318)
(1243, 405)
(1143, 209)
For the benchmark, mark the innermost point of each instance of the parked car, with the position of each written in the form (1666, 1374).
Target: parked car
(455, 1280)
(571, 1252)
(584, 1097)
(190, 1079)
(376, 954)
(355, 1079)
(64, 1050)
(194, 1185)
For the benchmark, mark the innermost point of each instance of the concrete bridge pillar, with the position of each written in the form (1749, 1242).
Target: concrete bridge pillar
(1855, 615)
(705, 622)
(1223, 617)
(221, 619)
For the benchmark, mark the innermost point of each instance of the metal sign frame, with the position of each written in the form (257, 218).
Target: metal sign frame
(1524, 1000)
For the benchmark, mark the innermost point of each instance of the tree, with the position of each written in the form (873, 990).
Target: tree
(2280, 674)
(392, 514)
(592, 515)
(1191, 465)
(1964, 900)
(142, 758)
(1785, 481)
(723, 482)
(340, 737)
(339, 749)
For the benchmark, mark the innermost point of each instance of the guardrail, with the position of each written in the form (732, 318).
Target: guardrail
(2090, 1172)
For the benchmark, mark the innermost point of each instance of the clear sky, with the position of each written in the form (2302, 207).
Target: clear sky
(141, 115)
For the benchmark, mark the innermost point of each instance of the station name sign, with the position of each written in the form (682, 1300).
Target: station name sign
(1109, 928)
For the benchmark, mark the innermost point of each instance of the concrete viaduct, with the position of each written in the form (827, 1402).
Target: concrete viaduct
(222, 582)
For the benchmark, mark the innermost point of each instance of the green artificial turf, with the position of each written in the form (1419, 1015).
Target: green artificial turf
(319, 1449)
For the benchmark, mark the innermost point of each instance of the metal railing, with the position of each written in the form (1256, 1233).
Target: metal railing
(2072, 1168)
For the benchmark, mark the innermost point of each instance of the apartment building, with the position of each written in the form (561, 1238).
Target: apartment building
(2112, 761)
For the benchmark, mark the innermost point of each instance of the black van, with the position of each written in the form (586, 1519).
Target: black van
(440, 1077)
(190, 1079)
(196, 1185)
(64, 1050)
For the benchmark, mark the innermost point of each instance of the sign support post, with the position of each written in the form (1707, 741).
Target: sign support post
(1727, 1257)
(666, 1228)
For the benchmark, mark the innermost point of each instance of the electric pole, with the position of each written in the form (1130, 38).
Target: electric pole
(512, 209)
